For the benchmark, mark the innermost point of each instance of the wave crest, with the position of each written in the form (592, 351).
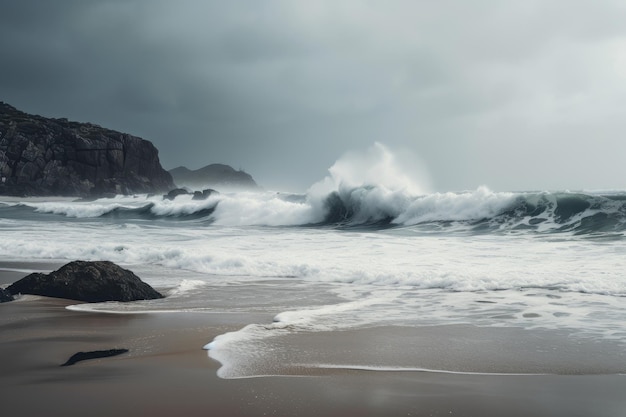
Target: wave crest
(481, 210)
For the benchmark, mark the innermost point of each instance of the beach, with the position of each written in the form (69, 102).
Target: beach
(166, 372)
(313, 208)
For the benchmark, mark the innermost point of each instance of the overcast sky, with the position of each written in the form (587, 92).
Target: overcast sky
(515, 95)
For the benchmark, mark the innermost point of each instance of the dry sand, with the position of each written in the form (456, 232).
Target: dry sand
(166, 373)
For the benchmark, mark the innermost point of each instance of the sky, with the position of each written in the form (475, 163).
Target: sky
(513, 95)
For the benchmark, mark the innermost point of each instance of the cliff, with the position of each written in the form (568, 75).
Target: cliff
(41, 156)
(213, 176)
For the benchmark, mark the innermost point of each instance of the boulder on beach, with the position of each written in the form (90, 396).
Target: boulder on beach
(92, 282)
(5, 296)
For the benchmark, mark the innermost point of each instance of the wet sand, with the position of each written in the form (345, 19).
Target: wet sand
(166, 373)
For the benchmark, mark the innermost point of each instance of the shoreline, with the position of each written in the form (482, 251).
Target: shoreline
(166, 372)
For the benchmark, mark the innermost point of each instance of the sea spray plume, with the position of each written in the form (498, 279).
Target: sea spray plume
(367, 187)
(377, 166)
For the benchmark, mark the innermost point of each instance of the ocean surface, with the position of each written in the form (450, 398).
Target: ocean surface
(348, 276)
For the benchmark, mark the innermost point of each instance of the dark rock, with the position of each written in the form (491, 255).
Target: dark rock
(175, 193)
(214, 175)
(41, 156)
(82, 356)
(203, 195)
(87, 281)
(5, 296)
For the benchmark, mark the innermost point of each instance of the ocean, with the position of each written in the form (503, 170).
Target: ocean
(503, 282)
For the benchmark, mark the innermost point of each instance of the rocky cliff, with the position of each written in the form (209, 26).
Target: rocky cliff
(213, 176)
(41, 156)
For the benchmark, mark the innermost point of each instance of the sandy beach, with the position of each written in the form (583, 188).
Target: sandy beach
(167, 373)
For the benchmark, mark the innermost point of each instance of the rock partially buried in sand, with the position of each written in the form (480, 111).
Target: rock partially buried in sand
(96, 354)
(5, 296)
(92, 282)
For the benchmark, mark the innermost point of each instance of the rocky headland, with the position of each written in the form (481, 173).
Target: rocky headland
(42, 157)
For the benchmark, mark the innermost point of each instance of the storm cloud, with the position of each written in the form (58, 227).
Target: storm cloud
(512, 95)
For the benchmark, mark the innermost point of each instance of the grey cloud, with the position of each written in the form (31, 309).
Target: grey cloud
(281, 88)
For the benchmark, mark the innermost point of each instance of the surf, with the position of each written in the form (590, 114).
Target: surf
(372, 190)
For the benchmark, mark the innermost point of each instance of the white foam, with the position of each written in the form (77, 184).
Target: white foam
(479, 204)
(260, 349)
(393, 258)
(26, 298)
(411, 369)
(187, 286)
(76, 210)
(238, 352)
(263, 209)
(109, 308)
(182, 205)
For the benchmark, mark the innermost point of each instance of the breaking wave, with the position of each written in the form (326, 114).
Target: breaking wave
(481, 210)
(371, 189)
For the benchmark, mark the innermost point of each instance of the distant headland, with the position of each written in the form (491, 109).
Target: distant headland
(213, 176)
